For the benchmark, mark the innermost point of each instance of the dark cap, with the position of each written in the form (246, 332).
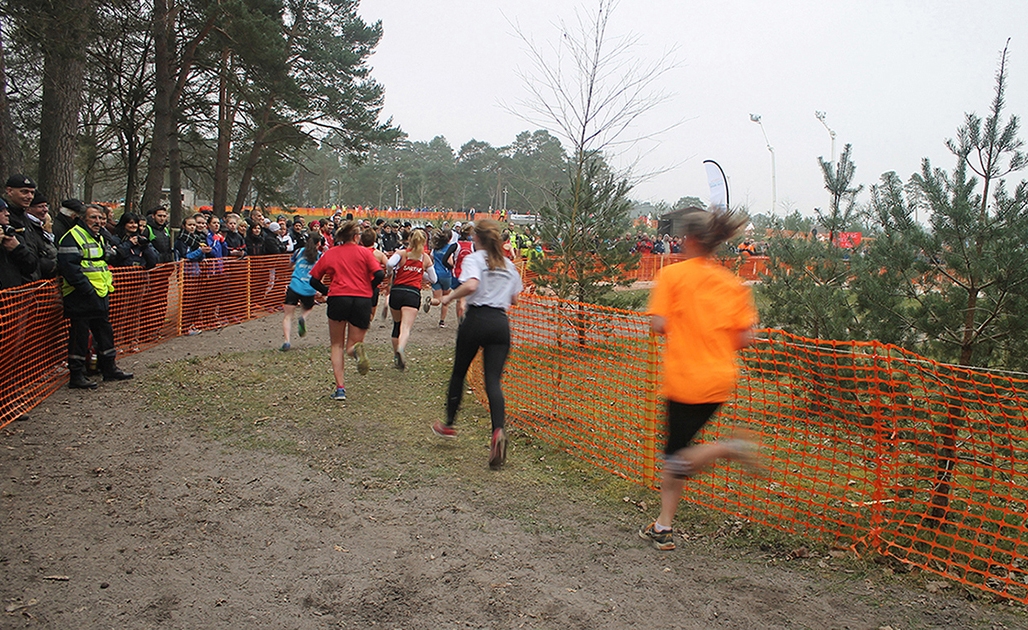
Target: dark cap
(20, 181)
(3, 204)
(37, 199)
(74, 205)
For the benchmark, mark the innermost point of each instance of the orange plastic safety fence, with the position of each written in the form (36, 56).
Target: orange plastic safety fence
(746, 267)
(146, 308)
(867, 446)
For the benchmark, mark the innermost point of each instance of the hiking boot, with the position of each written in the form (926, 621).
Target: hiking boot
(301, 326)
(498, 449)
(340, 394)
(118, 375)
(79, 381)
(426, 303)
(663, 541)
(363, 363)
(285, 347)
(444, 430)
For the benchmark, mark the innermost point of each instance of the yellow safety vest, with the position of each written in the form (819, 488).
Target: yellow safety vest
(94, 263)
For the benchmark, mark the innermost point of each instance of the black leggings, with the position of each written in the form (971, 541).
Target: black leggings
(487, 328)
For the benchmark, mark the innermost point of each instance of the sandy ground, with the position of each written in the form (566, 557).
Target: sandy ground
(116, 517)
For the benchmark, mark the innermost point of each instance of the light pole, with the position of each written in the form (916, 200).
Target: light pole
(399, 189)
(821, 116)
(504, 198)
(396, 202)
(774, 185)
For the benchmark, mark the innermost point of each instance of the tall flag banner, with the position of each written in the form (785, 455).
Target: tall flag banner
(718, 184)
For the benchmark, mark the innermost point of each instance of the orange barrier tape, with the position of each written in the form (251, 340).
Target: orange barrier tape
(867, 445)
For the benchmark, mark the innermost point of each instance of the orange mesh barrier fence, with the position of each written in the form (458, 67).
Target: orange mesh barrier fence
(148, 306)
(746, 267)
(868, 446)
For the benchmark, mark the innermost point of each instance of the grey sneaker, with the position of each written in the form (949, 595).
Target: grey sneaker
(664, 541)
(363, 363)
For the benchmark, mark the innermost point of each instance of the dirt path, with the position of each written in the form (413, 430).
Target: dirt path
(115, 517)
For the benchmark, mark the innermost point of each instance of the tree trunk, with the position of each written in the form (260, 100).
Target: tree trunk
(12, 160)
(162, 29)
(221, 163)
(247, 178)
(64, 68)
(176, 212)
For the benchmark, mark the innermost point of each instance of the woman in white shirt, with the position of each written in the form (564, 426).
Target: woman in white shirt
(490, 283)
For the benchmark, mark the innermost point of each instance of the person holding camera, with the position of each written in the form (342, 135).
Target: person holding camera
(87, 283)
(18, 263)
(133, 249)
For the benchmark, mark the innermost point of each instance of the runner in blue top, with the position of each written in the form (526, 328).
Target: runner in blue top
(442, 258)
(300, 290)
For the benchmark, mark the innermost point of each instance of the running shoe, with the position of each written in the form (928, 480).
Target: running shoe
(498, 449)
(301, 326)
(663, 541)
(426, 303)
(444, 430)
(285, 347)
(363, 364)
(340, 394)
(745, 452)
(442, 323)
(399, 360)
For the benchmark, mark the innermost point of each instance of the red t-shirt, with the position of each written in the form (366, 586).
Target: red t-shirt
(350, 268)
(409, 273)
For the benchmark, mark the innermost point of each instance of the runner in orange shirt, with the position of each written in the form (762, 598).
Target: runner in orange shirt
(706, 315)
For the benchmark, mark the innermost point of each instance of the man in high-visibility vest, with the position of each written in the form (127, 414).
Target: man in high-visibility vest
(87, 282)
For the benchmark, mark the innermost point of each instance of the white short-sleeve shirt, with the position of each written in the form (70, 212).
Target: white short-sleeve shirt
(496, 287)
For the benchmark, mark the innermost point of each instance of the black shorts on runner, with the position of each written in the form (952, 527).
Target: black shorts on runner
(684, 421)
(293, 298)
(374, 296)
(402, 296)
(346, 308)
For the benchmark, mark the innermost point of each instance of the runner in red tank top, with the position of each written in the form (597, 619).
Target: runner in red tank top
(465, 247)
(411, 267)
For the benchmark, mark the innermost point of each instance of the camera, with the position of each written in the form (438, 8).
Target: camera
(10, 230)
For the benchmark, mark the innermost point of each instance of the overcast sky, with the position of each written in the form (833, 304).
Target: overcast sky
(894, 78)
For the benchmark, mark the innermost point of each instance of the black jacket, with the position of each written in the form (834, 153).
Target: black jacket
(35, 240)
(160, 238)
(17, 266)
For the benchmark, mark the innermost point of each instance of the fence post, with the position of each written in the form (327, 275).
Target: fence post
(650, 423)
(249, 288)
(179, 280)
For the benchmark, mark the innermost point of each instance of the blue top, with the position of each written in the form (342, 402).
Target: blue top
(301, 282)
(438, 256)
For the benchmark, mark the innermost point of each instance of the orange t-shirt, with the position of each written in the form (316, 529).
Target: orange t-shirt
(704, 306)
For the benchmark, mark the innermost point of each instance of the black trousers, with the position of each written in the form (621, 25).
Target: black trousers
(486, 328)
(78, 343)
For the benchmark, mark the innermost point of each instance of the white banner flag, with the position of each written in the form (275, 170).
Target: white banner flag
(718, 184)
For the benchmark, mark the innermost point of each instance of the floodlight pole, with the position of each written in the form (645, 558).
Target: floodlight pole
(774, 184)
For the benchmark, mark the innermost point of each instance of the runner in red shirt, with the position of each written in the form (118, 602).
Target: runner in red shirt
(353, 276)
(411, 266)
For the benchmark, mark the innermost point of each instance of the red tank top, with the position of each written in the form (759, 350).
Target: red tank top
(463, 250)
(409, 273)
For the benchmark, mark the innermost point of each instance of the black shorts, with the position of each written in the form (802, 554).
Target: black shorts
(402, 295)
(684, 421)
(293, 298)
(346, 308)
